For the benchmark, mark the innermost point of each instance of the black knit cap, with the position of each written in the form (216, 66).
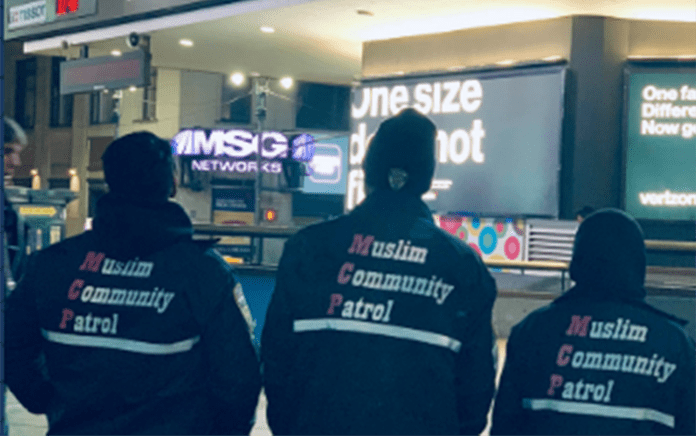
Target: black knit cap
(139, 166)
(405, 141)
(609, 255)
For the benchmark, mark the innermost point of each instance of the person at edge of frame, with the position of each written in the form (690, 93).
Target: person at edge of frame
(599, 359)
(15, 139)
(380, 322)
(133, 327)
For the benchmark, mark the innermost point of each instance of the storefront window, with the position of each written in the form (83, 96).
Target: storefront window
(25, 95)
(236, 103)
(324, 107)
(61, 105)
(101, 108)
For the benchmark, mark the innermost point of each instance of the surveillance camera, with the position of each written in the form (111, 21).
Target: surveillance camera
(65, 44)
(133, 39)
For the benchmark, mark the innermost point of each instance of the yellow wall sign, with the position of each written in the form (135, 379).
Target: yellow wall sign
(37, 210)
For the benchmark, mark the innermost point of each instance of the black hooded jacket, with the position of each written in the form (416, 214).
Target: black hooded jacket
(599, 360)
(132, 328)
(380, 323)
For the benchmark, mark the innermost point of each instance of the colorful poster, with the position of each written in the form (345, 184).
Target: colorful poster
(491, 238)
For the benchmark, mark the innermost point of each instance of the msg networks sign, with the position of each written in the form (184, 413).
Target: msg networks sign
(498, 137)
(661, 145)
(233, 150)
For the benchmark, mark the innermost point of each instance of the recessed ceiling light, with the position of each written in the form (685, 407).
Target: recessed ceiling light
(186, 42)
(132, 89)
(286, 82)
(267, 29)
(115, 52)
(237, 79)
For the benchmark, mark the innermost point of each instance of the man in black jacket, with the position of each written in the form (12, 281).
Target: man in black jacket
(599, 360)
(380, 322)
(132, 328)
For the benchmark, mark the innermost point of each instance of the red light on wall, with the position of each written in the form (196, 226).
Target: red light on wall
(270, 215)
(67, 6)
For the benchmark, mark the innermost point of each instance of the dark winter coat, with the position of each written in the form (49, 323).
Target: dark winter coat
(132, 328)
(599, 360)
(380, 323)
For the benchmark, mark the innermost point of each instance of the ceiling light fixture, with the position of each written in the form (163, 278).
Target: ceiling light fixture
(132, 89)
(237, 79)
(116, 53)
(267, 29)
(186, 42)
(286, 82)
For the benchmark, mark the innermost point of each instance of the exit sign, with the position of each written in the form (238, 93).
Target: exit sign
(67, 6)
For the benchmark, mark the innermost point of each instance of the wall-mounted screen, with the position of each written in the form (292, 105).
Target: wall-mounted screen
(660, 142)
(326, 172)
(498, 139)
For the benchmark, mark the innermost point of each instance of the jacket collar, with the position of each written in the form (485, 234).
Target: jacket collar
(384, 202)
(126, 228)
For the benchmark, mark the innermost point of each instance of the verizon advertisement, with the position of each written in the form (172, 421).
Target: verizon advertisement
(498, 139)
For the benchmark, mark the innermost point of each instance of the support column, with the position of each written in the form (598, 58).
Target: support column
(592, 156)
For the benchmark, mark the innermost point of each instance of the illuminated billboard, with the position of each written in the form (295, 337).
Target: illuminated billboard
(498, 138)
(660, 144)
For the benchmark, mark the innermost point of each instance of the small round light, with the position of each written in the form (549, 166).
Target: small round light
(267, 29)
(116, 53)
(270, 215)
(237, 79)
(132, 89)
(286, 82)
(186, 42)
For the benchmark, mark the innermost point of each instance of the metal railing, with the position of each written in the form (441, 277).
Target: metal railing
(262, 232)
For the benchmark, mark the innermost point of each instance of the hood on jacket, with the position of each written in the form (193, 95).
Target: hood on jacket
(127, 228)
(609, 256)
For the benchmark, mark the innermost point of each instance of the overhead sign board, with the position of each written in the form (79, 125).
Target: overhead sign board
(24, 17)
(35, 19)
(660, 144)
(106, 72)
(498, 137)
